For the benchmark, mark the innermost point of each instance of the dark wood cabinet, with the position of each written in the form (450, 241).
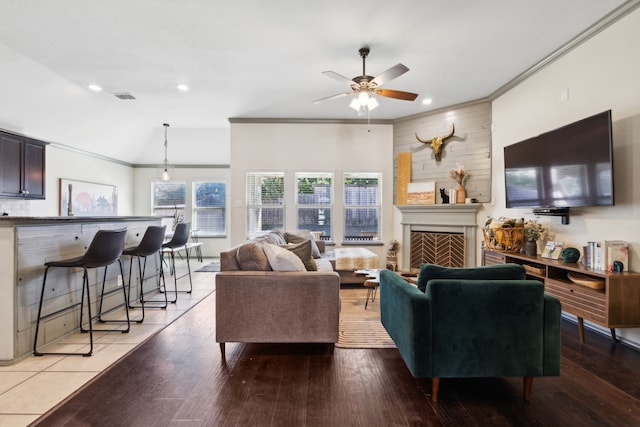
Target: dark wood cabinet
(22, 167)
(616, 305)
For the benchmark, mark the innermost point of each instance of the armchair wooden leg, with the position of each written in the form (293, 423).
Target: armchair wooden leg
(435, 386)
(528, 383)
(222, 350)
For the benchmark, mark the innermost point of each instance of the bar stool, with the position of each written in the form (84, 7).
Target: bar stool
(177, 243)
(151, 244)
(104, 250)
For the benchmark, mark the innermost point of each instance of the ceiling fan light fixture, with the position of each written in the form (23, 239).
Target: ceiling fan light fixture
(363, 98)
(364, 102)
(373, 103)
(365, 87)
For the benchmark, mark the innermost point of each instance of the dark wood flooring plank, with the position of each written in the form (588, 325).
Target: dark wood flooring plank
(178, 378)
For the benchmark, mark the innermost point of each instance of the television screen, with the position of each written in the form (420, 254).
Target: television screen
(571, 166)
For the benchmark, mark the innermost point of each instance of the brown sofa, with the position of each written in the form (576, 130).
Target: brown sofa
(255, 304)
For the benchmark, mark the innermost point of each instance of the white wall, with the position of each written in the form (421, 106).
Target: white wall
(311, 147)
(601, 74)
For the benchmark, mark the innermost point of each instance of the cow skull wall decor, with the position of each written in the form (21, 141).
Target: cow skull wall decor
(437, 143)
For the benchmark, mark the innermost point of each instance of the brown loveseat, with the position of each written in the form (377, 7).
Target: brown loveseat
(255, 304)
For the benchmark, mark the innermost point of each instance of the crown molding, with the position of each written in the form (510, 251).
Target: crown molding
(604, 23)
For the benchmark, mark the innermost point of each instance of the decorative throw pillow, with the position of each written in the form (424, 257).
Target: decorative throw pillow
(278, 237)
(281, 259)
(487, 272)
(228, 260)
(252, 257)
(303, 251)
(298, 238)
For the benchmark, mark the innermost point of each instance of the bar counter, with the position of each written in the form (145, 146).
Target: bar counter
(26, 243)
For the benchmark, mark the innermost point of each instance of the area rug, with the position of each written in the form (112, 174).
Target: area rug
(360, 328)
(212, 267)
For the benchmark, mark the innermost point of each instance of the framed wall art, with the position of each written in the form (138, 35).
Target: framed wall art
(80, 198)
(421, 193)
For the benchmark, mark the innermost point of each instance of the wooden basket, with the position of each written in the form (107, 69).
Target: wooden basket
(509, 239)
(533, 269)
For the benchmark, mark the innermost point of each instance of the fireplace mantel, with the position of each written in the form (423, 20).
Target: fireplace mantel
(460, 218)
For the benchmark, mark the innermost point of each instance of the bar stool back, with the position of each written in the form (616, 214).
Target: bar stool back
(104, 250)
(177, 243)
(150, 245)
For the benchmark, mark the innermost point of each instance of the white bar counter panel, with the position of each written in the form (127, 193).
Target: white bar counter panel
(27, 243)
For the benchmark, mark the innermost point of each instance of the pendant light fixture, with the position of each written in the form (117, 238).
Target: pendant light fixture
(165, 172)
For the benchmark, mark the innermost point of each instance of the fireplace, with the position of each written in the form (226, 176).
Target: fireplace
(440, 234)
(445, 249)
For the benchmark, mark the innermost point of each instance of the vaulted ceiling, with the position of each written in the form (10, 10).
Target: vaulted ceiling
(256, 59)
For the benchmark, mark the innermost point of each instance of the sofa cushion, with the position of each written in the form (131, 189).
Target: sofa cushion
(488, 272)
(251, 256)
(282, 259)
(323, 264)
(300, 237)
(303, 251)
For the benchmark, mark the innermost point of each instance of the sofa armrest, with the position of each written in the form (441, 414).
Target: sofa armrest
(552, 320)
(269, 306)
(405, 312)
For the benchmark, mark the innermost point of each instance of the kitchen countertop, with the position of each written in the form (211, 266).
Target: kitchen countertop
(9, 221)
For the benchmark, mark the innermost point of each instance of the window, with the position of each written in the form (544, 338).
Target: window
(265, 202)
(314, 198)
(209, 208)
(362, 206)
(168, 200)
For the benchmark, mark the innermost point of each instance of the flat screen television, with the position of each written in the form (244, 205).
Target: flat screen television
(571, 166)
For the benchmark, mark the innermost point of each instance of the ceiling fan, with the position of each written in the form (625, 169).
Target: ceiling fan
(365, 87)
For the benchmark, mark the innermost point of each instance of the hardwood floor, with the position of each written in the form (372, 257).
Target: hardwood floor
(177, 378)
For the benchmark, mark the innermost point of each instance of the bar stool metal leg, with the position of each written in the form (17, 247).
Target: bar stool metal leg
(161, 287)
(104, 250)
(126, 304)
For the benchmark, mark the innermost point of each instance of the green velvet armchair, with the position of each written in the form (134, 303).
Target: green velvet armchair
(472, 322)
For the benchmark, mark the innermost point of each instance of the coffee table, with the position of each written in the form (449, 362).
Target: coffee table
(372, 283)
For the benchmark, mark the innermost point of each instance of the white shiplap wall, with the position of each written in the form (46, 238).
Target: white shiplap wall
(470, 146)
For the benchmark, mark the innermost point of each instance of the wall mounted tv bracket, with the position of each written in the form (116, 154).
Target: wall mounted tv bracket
(561, 212)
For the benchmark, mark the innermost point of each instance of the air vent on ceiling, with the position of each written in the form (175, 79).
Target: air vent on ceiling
(124, 95)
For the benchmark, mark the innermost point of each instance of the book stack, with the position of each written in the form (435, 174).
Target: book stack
(602, 255)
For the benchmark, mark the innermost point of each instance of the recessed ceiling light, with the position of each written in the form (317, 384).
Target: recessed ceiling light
(427, 101)
(183, 87)
(95, 87)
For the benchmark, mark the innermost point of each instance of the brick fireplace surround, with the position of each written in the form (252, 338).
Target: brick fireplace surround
(458, 219)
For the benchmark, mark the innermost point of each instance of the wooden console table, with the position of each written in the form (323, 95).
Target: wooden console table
(617, 305)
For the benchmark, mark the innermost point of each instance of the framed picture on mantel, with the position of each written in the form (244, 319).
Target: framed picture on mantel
(80, 198)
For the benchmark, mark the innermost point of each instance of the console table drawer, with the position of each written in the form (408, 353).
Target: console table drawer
(490, 258)
(579, 300)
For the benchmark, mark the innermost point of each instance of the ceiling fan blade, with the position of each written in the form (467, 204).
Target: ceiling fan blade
(398, 94)
(393, 72)
(338, 77)
(340, 95)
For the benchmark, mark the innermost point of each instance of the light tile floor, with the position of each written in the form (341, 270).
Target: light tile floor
(35, 385)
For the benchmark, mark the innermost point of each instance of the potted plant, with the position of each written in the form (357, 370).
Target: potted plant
(459, 175)
(532, 232)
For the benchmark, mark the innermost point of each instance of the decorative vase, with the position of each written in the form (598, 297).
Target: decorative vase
(531, 248)
(461, 194)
